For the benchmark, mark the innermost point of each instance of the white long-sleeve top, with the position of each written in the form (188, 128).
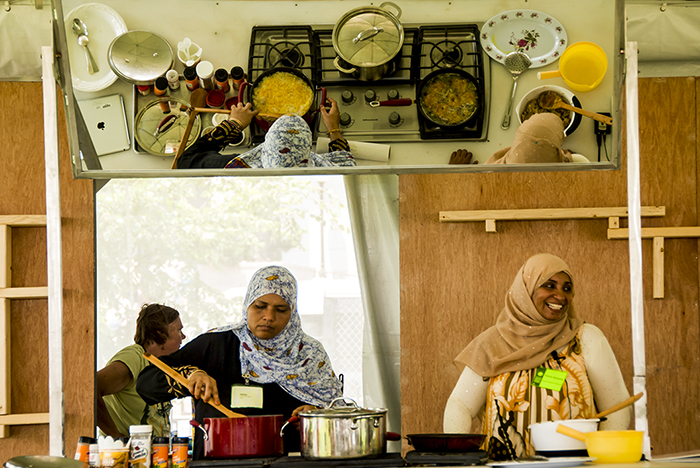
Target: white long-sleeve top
(469, 394)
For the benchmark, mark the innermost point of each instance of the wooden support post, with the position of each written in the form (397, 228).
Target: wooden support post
(490, 225)
(613, 222)
(5, 362)
(658, 268)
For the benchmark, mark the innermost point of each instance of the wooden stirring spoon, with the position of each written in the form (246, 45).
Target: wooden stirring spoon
(549, 100)
(619, 406)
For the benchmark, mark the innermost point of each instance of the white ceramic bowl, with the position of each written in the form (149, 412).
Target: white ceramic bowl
(569, 98)
(545, 437)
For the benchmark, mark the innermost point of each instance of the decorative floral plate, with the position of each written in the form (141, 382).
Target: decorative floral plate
(538, 34)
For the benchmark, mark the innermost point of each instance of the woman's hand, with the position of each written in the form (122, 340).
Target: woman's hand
(331, 118)
(204, 387)
(462, 156)
(243, 114)
(296, 412)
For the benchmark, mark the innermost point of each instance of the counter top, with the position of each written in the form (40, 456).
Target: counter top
(223, 29)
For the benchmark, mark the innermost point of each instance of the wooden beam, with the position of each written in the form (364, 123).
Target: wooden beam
(38, 292)
(23, 220)
(545, 213)
(5, 256)
(650, 233)
(658, 268)
(22, 419)
(5, 364)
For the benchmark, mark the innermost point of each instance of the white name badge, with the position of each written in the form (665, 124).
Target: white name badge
(246, 396)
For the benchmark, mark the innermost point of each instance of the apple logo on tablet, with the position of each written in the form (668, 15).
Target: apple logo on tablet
(101, 125)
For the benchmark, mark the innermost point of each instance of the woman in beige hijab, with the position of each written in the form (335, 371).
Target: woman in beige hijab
(537, 331)
(537, 140)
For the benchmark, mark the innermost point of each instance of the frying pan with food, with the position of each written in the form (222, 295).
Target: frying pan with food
(456, 443)
(280, 91)
(449, 97)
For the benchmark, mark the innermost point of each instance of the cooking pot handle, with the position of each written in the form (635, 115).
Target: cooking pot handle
(394, 6)
(241, 91)
(194, 423)
(337, 65)
(392, 102)
(291, 420)
(343, 399)
(323, 98)
(367, 34)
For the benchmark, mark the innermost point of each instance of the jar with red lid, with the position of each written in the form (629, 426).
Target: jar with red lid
(221, 80)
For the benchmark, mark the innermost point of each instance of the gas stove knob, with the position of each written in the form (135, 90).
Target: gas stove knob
(370, 95)
(345, 119)
(392, 94)
(394, 118)
(347, 96)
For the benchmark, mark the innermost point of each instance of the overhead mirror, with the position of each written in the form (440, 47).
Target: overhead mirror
(423, 80)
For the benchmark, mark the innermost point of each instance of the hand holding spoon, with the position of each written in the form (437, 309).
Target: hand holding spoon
(549, 100)
(81, 32)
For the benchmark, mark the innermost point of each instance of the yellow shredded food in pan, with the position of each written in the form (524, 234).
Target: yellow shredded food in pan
(533, 107)
(283, 93)
(449, 99)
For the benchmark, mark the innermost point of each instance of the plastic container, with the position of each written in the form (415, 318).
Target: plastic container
(145, 90)
(140, 455)
(114, 457)
(191, 80)
(173, 79)
(547, 440)
(94, 455)
(221, 80)
(161, 86)
(237, 77)
(161, 452)
(82, 450)
(181, 446)
(205, 72)
(216, 99)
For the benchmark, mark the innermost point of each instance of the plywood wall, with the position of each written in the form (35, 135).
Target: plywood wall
(22, 191)
(454, 276)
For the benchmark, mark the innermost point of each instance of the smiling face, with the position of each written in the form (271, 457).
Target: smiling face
(553, 298)
(268, 315)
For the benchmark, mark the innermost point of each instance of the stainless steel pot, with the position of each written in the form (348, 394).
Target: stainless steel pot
(343, 431)
(368, 41)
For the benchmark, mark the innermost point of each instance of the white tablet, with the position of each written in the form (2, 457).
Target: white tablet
(105, 119)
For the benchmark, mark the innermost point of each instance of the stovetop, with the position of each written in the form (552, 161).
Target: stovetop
(426, 48)
(389, 460)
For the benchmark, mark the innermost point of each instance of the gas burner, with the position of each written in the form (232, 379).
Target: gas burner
(446, 54)
(285, 54)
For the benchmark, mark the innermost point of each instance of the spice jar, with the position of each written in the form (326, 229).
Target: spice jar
(237, 77)
(205, 72)
(94, 455)
(221, 80)
(82, 451)
(180, 447)
(140, 454)
(173, 79)
(191, 79)
(145, 90)
(160, 452)
(161, 86)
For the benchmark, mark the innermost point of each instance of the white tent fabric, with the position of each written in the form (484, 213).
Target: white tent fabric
(23, 31)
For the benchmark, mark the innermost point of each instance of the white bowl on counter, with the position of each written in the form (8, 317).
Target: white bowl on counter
(546, 439)
(568, 96)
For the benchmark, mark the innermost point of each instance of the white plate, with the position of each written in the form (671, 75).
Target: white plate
(103, 25)
(551, 463)
(537, 34)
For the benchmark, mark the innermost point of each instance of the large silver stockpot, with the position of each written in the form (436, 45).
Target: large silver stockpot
(343, 431)
(368, 41)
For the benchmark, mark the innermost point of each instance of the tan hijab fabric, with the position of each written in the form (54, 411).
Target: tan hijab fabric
(522, 338)
(537, 140)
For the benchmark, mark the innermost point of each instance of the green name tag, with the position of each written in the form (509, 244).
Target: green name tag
(551, 379)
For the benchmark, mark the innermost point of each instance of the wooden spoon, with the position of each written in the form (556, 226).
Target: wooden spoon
(179, 378)
(549, 100)
(619, 406)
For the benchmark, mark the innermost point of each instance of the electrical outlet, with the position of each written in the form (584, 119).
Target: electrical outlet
(603, 128)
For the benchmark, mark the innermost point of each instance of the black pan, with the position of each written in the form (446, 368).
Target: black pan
(446, 442)
(449, 100)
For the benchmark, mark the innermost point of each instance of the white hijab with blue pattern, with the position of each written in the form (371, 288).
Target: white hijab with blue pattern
(295, 361)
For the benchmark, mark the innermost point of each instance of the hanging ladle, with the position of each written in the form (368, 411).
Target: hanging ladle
(550, 100)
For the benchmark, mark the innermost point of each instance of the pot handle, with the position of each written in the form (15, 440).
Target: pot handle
(194, 423)
(324, 94)
(392, 102)
(291, 420)
(241, 91)
(367, 34)
(394, 6)
(336, 62)
(393, 436)
(343, 399)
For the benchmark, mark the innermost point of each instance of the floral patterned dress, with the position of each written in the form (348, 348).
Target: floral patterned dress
(513, 403)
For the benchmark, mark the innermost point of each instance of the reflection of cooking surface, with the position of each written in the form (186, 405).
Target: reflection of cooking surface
(449, 99)
(282, 93)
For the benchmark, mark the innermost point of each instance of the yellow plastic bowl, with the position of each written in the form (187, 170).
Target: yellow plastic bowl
(615, 446)
(582, 66)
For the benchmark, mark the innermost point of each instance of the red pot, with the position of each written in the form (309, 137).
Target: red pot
(254, 436)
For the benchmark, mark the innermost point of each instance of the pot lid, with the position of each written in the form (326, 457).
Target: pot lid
(140, 57)
(349, 410)
(368, 36)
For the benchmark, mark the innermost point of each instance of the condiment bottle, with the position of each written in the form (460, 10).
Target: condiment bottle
(221, 80)
(205, 72)
(160, 452)
(144, 89)
(173, 79)
(180, 447)
(94, 455)
(237, 77)
(82, 451)
(191, 79)
(140, 454)
(161, 86)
